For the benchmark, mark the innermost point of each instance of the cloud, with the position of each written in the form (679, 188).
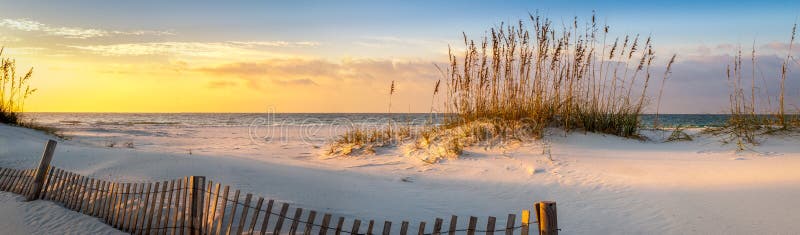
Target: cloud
(385, 41)
(295, 82)
(316, 72)
(193, 49)
(274, 43)
(70, 32)
(221, 84)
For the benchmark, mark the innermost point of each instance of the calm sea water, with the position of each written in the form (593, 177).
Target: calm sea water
(247, 133)
(100, 120)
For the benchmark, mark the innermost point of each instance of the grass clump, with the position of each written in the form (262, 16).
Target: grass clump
(360, 140)
(571, 77)
(13, 91)
(752, 113)
(678, 134)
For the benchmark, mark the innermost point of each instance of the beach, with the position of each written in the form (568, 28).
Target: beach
(603, 184)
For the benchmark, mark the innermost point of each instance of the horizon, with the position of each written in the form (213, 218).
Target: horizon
(341, 57)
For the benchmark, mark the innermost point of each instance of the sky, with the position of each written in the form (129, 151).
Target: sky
(341, 56)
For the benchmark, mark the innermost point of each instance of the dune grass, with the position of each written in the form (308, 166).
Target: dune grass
(571, 77)
(752, 113)
(14, 90)
(521, 78)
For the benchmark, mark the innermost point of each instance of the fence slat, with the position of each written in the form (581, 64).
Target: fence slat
(39, 174)
(404, 228)
(437, 226)
(339, 225)
(2, 176)
(184, 195)
(84, 198)
(356, 226)
(123, 205)
(139, 227)
(265, 224)
(526, 218)
(160, 215)
(546, 215)
(160, 208)
(206, 207)
(20, 181)
(213, 211)
(74, 189)
(58, 189)
(101, 198)
(387, 227)
(421, 228)
(221, 223)
(473, 221)
(135, 202)
(76, 198)
(70, 187)
(453, 223)
(6, 176)
(196, 198)
(243, 218)
(90, 197)
(177, 205)
(490, 226)
(47, 182)
(281, 217)
(310, 222)
(370, 226)
(151, 213)
(130, 207)
(12, 176)
(133, 224)
(165, 207)
(297, 214)
(256, 213)
(112, 206)
(326, 219)
(233, 212)
(510, 224)
(119, 207)
(25, 182)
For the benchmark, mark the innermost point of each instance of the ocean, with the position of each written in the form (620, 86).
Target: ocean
(231, 132)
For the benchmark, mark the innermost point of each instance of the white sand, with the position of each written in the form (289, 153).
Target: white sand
(603, 184)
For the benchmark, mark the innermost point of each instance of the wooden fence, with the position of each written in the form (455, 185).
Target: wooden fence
(190, 205)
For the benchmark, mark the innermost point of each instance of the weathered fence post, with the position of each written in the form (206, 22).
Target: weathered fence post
(44, 165)
(548, 221)
(196, 184)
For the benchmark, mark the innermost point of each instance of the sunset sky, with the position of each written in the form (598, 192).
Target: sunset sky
(339, 56)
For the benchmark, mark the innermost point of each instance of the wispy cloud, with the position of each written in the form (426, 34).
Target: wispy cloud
(199, 49)
(303, 72)
(385, 41)
(70, 32)
(274, 43)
